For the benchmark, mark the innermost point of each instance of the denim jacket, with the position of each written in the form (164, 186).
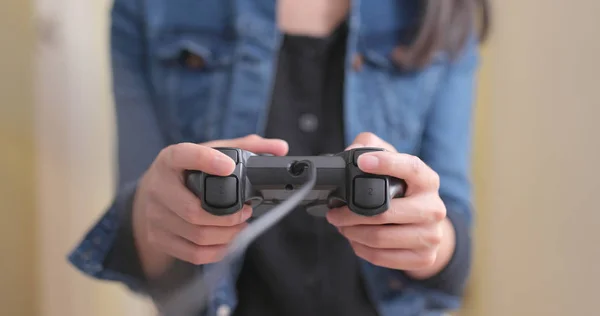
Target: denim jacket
(221, 90)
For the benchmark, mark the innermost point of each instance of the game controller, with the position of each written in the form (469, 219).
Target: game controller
(264, 181)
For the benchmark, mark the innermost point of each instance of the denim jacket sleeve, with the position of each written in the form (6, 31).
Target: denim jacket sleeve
(446, 148)
(139, 141)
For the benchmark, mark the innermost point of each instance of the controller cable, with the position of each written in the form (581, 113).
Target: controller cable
(193, 298)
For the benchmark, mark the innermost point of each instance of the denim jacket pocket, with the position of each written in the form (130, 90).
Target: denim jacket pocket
(405, 95)
(193, 70)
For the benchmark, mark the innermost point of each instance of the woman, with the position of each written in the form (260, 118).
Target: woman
(309, 77)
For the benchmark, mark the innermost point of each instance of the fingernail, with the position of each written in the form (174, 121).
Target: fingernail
(222, 165)
(281, 141)
(286, 147)
(246, 212)
(332, 219)
(353, 146)
(369, 162)
(328, 217)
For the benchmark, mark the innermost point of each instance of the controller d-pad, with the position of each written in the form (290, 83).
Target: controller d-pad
(221, 192)
(369, 193)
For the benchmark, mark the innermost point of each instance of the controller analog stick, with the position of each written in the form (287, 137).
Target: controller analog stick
(297, 168)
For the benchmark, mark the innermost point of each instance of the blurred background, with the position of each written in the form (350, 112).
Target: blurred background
(536, 172)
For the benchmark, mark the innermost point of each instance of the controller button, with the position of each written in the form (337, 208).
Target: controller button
(232, 153)
(221, 192)
(369, 193)
(358, 152)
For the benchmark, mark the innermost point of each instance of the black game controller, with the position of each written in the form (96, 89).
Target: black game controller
(265, 181)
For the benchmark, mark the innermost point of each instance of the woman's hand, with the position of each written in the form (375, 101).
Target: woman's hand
(414, 235)
(168, 220)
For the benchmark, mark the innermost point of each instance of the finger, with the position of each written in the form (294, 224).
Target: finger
(182, 249)
(212, 235)
(395, 236)
(188, 156)
(354, 146)
(199, 235)
(425, 208)
(176, 197)
(367, 139)
(399, 259)
(255, 144)
(418, 176)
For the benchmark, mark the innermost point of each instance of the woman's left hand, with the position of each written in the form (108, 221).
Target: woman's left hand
(414, 234)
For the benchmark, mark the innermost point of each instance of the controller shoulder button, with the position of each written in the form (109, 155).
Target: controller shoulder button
(360, 151)
(232, 153)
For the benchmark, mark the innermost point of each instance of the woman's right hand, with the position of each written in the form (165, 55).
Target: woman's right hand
(168, 220)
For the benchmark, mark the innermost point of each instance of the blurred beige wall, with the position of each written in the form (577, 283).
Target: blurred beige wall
(74, 142)
(17, 220)
(537, 169)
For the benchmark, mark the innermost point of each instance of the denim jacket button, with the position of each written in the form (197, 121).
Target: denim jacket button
(194, 61)
(223, 310)
(97, 240)
(86, 256)
(357, 62)
(395, 284)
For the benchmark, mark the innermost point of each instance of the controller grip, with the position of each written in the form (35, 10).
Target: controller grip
(193, 181)
(397, 188)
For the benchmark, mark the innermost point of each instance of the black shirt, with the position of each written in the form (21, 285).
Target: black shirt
(303, 265)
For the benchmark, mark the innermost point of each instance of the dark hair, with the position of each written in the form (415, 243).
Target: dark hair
(444, 25)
